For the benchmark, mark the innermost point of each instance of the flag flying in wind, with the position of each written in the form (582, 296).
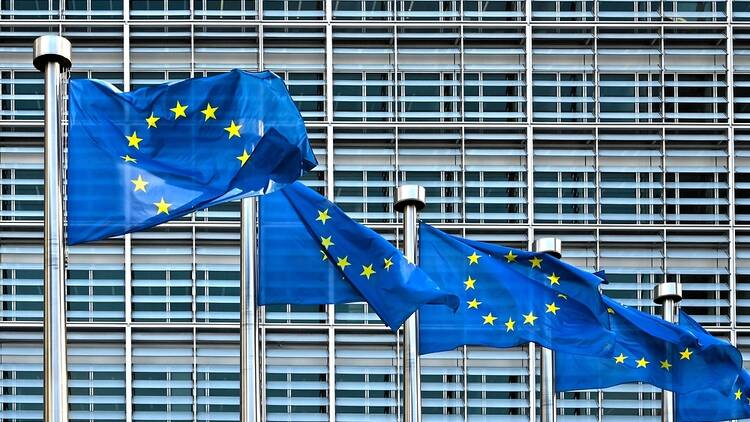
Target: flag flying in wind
(720, 403)
(138, 159)
(681, 358)
(724, 399)
(311, 252)
(509, 297)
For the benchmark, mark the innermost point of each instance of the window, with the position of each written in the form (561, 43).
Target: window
(363, 9)
(432, 159)
(96, 282)
(162, 278)
(493, 10)
(96, 376)
(296, 376)
(163, 376)
(428, 78)
(293, 9)
(363, 85)
(563, 80)
(564, 178)
(494, 75)
(496, 186)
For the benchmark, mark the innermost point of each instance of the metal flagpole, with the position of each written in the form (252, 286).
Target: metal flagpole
(250, 389)
(668, 294)
(409, 200)
(550, 246)
(52, 55)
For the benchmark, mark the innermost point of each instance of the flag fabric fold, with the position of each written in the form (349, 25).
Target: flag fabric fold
(718, 403)
(509, 297)
(138, 159)
(681, 358)
(311, 252)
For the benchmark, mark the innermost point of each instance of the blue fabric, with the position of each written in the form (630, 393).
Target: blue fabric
(297, 268)
(191, 161)
(509, 292)
(681, 358)
(720, 401)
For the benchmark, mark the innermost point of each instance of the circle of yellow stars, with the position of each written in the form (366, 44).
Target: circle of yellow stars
(527, 319)
(181, 111)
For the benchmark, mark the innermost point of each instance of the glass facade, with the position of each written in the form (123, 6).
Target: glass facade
(622, 127)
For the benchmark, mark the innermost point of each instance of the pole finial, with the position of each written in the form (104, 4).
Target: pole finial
(410, 195)
(52, 48)
(549, 245)
(665, 291)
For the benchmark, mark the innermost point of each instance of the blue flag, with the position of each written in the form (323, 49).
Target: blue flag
(311, 252)
(509, 297)
(138, 159)
(719, 403)
(728, 396)
(681, 358)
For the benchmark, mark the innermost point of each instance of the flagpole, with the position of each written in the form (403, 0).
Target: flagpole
(250, 388)
(409, 200)
(52, 55)
(668, 294)
(548, 400)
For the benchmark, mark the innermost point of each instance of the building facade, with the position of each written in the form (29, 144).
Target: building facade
(620, 126)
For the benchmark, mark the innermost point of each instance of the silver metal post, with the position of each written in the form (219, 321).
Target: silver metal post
(409, 200)
(548, 400)
(52, 55)
(668, 294)
(250, 388)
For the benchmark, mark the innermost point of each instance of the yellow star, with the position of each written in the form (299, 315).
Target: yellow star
(326, 241)
(642, 362)
(610, 310)
(343, 262)
(139, 183)
(530, 318)
(209, 112)
(244, 157)
(162, 207)
(620, 359)
(510, 257)
(665, 364)
(325, 257)
(562, 296)
(179, 110)
(553, 279)
(738, 394)
(133, 140)
(474, 304)
(685, 354)
(151, 120)
(367, 271)
(473, 258)
(510, 325)
(469, 283)
(387, 263)
(552, 308)
(323, 216)
(233, 129)
(489, 319)
(128, 158)
(536, 262)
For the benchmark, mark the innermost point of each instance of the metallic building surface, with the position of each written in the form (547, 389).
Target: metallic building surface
(620, 127)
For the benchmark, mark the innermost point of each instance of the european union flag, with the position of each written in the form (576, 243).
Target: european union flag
(138, 159)
(509, 297)
(311, 252)
(679, 358)
(724, 399)
(719, 403)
